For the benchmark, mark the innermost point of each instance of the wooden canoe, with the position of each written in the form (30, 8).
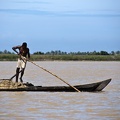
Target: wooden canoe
(93, 87)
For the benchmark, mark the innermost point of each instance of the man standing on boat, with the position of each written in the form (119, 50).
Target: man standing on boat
(23, 52)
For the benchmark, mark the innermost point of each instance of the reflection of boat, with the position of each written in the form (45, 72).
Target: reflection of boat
(93, 87)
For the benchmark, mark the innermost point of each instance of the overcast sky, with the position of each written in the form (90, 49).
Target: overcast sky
(66, 25)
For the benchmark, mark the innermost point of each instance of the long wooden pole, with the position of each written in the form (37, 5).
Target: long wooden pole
(52, 74)
(15, 75)
(12, 76)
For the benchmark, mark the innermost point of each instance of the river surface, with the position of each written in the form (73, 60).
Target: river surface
(103, 105)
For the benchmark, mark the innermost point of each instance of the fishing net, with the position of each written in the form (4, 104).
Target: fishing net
(8, 84)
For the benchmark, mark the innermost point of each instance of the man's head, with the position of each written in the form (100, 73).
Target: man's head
(24, 45)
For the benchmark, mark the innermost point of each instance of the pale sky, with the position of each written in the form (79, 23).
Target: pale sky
(66, 25)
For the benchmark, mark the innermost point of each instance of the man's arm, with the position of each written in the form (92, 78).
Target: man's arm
(28, 53)
(15, 49)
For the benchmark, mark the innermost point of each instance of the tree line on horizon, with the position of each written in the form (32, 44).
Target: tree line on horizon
(59, 52)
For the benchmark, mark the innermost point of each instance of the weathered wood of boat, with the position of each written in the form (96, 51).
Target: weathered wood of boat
(93, 87)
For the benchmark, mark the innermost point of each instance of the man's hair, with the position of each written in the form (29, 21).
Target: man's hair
(24, 44)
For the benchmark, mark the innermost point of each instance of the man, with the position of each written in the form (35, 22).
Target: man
(23, 52)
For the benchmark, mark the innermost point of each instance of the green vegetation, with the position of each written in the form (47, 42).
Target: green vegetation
(13, 57)
(64, 56)
(8, 57)
(76, 57)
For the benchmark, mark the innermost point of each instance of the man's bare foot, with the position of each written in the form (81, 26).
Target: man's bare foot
(21, 80)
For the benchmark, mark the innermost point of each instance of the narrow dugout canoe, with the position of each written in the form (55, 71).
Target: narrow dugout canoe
(93, 87)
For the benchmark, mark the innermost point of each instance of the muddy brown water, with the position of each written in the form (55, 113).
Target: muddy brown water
(62, 106)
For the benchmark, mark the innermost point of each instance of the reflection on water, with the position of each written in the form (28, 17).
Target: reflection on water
(51, 106)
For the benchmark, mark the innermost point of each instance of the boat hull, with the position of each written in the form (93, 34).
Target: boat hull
(93, 87)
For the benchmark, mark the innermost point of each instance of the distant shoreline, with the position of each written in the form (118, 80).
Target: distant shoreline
(13, 57)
